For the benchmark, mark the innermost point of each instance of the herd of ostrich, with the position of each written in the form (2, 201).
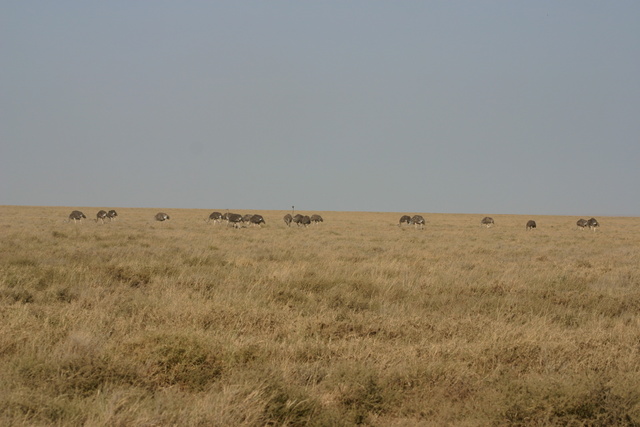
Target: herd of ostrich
(236, 220)
(100, 216)
(592, 223)
(232, 219)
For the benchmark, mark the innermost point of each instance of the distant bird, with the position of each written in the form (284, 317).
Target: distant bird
(315, 219)
(297, 219)
(531, 224)
(487, 221)
(593, 224)
(101, 215)
(404, 219)
(305, 220)
(288, 219)
(216, 217)
(247, 217)
(76, 216)
(417, 221)
(113, 215)
(161, 216)
(256, 220)
(582, 223)
(234, 219)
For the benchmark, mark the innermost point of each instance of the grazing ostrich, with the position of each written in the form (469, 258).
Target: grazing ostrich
(487, 221)
(113, 215)
(315, 219)
(257, 220)
(234, 219)
(247, 217)
(582, 223)
(101, 215)
(161, 216)
(417, 221)
(292, 217)
(404, 219)
(305, 220)
(215, 216)
(297, 219)
(531, 224)
(76, 216)
(593, 224)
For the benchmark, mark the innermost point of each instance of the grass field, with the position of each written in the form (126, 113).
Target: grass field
(353, 321)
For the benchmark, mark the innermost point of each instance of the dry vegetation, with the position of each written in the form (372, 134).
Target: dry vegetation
(353, 321)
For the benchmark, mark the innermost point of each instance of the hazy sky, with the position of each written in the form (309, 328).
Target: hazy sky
(527, 107)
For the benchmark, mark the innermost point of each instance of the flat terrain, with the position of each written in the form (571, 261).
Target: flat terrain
(353, 321)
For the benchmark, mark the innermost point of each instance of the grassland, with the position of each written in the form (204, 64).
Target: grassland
(353, 321)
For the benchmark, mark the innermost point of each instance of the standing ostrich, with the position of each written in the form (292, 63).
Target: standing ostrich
(417, 221)
(113, 215)
(76, 216)
(216, 217)
(288, 218)
(297, 219)
(487, 221)
(101, 215)
(161, 216)
(305, 220)
(315, 219)
(257, 220)
(404, 219)
(531, 224)
(235, 220)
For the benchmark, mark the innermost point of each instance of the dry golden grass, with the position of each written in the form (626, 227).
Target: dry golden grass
(353, 321)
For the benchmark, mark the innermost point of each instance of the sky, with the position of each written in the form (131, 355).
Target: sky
(493, 107)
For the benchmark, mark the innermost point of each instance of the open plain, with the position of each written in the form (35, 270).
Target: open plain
(352, 321)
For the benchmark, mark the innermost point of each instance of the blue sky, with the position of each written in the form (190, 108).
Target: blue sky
(454, 107)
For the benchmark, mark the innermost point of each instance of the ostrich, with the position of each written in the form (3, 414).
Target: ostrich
(257, 220)
(234, 219)
(315, 219)
(161, 216)
(418, 221)
(288, 218)
(247, 217)
(305, 220)
(297, 219)
(404, 219)
(113, 215)
(582, 223)
(487, 221)
(76, 216)
(216, 217)
(531, 224)
(101, 215)
(593, 224)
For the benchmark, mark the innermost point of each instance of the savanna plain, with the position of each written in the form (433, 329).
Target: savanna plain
(352, 321)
